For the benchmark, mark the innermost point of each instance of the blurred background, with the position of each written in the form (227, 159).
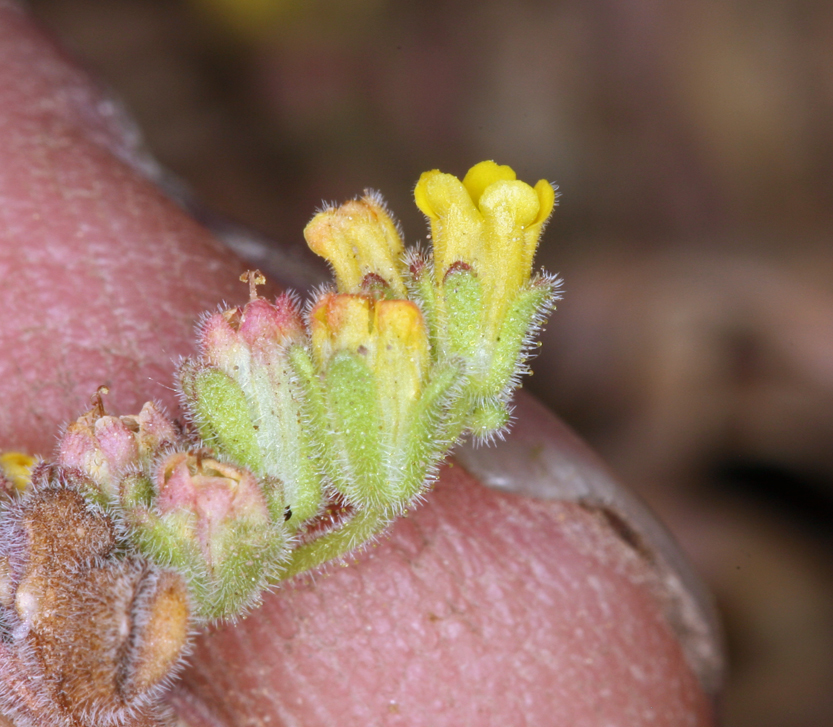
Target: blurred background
(693, 146)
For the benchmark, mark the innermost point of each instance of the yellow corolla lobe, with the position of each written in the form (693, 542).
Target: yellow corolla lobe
(17, 468)
(359, 239)
(491, 222)
(378, 330)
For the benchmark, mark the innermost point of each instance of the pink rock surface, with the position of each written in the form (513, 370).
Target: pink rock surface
(102, 275)
(481, 608)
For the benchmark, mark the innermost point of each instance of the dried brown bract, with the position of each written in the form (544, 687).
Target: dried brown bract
(88, 635)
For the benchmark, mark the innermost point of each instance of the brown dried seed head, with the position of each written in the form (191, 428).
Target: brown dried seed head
(6, 587)
(89, 636)
(60, 527)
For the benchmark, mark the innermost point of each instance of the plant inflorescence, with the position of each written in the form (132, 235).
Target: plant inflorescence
(307, 430)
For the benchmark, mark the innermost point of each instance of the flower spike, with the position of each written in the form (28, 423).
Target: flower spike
(306, 432)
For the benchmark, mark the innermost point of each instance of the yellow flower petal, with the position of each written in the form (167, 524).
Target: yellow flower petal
(546, 198)
(17, 467)
(455, 221)
(484, 174)
(340, 322)
(401, 354)
(491, 223)
(358, 239)
(399, 324)
(509, 207)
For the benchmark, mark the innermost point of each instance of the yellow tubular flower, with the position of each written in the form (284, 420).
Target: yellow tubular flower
(491, 222)
(360, 240)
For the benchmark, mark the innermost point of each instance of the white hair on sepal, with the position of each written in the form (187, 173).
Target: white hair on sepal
(325, 206)
(492, 437)
(315, 295)
(417, 258)
(296, 299)
(202, 322)
(537, 324)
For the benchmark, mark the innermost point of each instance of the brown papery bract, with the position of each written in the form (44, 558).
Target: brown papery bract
(90, 637)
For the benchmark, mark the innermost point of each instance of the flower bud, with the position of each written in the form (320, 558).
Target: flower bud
(383, 419)
(106, 448)
(362, 243)
(212, 522)
(101, 447)
(243, 398)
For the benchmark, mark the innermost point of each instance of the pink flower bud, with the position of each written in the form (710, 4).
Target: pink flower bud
(229, 339)
(263, 322)
(106, 448)
(212, 522)
(219, 342)
(102, 447)
(218, 494)
(243, 398)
